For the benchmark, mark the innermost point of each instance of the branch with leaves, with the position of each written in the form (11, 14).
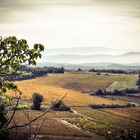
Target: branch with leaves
(13, 54)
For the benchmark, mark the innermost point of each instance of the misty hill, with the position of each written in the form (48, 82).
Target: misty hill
(130, 57)
(131, 54)
(94, 65)
(83, 51)
(77, 58)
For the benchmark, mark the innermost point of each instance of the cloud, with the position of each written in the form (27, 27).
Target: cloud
(62, 23)
(119, 7)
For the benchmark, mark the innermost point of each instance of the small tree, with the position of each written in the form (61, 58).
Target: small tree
(37, 100)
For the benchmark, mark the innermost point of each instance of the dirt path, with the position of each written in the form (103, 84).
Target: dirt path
(115, 82)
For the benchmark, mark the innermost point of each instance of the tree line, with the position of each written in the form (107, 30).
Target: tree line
(33, 72)
(116, 92)
(114, 71)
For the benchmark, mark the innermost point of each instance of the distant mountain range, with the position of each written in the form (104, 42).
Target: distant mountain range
(87, 56)
(94, 65)
(84, 51)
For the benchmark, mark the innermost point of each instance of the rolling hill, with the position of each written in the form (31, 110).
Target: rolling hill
(87, 57)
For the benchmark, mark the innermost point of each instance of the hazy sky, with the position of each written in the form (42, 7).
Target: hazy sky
(73, 23)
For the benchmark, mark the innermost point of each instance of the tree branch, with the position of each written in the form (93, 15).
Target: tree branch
(13, 111)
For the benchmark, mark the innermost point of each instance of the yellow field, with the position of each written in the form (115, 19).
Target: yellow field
(84, 82)
(54, 86)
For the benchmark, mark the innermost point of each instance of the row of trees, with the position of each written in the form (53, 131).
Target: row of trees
(112, 71)
(100, 106)
(116, 92)
(33, 72)
(38, 70)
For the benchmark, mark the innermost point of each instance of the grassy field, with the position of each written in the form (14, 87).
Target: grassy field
(84, 82)
(121, 85)
(55, 86)
(78, 85)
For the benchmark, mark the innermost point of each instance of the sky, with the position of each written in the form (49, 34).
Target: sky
(73, 23)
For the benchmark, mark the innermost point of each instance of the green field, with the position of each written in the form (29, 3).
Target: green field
(121, 85)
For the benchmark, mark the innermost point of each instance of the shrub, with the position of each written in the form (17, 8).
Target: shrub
(99, 92)
(37, 100)
(60, 106)
(98, 73)
(79, 69)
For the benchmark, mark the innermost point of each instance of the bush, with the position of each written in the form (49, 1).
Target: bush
(99, 92)
(79, 69)
(60, 106)
(98, 73)
(37, 100)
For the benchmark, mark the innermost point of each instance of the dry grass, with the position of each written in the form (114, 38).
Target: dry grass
(54, 86)
(82, 82)
(51, 93)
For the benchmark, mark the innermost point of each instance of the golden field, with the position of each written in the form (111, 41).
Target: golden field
(55, 86)
(84, 82)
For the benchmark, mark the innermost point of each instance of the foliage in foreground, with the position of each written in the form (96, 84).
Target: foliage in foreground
(13, 54)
